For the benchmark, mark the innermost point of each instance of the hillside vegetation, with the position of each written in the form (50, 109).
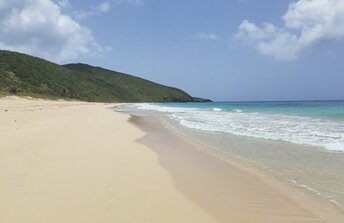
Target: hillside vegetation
(27, 75)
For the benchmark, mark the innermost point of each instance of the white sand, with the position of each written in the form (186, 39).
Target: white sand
(69, 162)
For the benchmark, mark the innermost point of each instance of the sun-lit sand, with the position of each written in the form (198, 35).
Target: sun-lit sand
(78, 162)
(82, 162)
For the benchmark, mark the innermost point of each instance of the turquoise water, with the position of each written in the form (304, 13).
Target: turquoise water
(300, 143)
(320, 109)
(312, 123)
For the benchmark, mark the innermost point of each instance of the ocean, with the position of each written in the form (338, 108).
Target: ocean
(300, 143)
(314, 123)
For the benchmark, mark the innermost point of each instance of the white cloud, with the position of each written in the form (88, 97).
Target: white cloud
(64, 4)
(209, 36)
(132, 2)
(307, 22)
(38, 27)
(104, 7)
(95, 10)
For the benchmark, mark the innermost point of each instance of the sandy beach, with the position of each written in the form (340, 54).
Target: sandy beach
(82, 162)
(77, 162)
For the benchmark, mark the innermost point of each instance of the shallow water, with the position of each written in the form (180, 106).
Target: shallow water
(317, 170)
(319, 124)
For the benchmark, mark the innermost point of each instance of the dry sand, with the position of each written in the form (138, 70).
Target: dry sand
(73, 162)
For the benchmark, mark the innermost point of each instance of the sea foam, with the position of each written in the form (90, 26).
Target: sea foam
(328, 134)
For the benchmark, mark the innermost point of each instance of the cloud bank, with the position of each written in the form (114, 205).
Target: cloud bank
(38, 27)
(306, 23)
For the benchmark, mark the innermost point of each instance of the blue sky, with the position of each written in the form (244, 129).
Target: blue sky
(223, 49)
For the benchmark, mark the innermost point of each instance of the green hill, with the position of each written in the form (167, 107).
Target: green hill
(27, 75)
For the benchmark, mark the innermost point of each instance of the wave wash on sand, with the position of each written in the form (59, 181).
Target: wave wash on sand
(82, 162)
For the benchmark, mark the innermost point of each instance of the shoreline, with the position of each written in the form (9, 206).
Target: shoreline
(301, 193)
(63, 161)
(80, 162)
(293, 197)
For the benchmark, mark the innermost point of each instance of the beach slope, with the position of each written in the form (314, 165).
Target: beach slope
(79, 162)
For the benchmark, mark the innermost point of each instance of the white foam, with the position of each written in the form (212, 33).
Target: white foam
(167, 109)
(237, 110)
(217, 109)
(328, 134)
(330, 198)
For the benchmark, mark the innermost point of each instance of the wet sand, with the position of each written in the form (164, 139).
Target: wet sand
(82, 162)
(229, 192)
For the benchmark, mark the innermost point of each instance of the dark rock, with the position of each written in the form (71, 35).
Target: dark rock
(178, 99)
(195, 99)
(172, 98)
